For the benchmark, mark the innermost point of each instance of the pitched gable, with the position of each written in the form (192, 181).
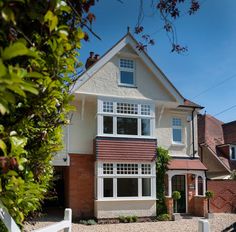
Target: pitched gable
(102, 77)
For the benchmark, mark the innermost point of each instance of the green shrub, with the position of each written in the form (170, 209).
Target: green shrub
(209, 194)
(163, 217)
(84, 222)
(122, 219)
(91, 222)
(2, 227)
(134, 218)
(127, 219)
(176, 195)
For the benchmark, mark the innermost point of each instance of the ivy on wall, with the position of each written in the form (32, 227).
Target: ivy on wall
(162, 161)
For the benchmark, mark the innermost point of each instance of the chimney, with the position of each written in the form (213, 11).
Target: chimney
(91, 60)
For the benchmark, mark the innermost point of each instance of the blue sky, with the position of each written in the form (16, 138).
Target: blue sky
(210, 36)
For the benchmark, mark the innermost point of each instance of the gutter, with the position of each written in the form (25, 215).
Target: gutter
(193, 137)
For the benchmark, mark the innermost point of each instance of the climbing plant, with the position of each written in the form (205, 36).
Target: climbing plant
(162, 161)
(39, 50)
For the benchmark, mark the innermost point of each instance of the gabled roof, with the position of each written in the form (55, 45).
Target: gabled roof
(128, 39)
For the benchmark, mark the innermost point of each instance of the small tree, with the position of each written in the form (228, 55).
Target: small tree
(176, 196)
(209, 195)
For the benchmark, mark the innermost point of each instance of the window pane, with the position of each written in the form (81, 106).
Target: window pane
(124, 63)
(146, 187)
(177, 135)
(108, 187)
(233, 153)
(176, 122)
(127, 108)
(107, 125)
(127, 187)
(200, 186)
(146, 169)
(126, 77)
(107, 168)
(127, 126)
(145, 109)
(145, 126)
(131, 169)
(108, 107)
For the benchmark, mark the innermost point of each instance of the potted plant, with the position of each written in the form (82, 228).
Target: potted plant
(209, 195)
(176, 196)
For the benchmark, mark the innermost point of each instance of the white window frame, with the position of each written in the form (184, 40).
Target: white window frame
(127, 70)
(115, 176)
(177, 127)
(114, 114)
(232, 146)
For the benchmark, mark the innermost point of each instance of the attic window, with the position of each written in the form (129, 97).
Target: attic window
(233, 153)
(127, 72)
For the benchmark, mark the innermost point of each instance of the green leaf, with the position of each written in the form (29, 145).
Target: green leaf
(3, 147)
(16, 49)
(29, 87)
(3, 69)
(80, 33)
(8, 14)
(51, 19)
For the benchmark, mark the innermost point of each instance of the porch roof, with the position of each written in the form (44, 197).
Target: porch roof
(186, 164)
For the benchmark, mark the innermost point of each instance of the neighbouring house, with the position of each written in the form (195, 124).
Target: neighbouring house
(125, 108)
(217, 146)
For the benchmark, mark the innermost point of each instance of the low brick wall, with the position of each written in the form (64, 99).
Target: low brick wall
(224, 200)
(200, 206)
(169, 205)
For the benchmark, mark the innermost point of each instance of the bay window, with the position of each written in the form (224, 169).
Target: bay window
(125, 118)
(125, 180)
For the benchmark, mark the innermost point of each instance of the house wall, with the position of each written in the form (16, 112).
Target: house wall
(83, 127)
(163, 132)
(113, 209)
(230, 132)
(105, 82)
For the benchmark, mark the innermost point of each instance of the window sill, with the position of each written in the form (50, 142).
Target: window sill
(178, 144)
(128, 199)
(128, 86)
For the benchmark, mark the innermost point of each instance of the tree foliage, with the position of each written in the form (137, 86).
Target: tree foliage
(162, 161)
(169, 11)
(39, 44)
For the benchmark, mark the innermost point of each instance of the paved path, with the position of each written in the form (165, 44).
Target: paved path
(217, 224)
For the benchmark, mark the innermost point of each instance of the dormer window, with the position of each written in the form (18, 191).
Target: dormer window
(233, 152)
(127, 69)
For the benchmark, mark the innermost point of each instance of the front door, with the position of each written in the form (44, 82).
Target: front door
(178, 184)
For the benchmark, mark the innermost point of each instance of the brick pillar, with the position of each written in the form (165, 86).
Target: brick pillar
(80, 185)
(169, 205)
(200, 206)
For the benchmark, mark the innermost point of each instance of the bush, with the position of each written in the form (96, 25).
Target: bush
(2, 227)
(135, 218)
(176, 195)
(163, 217)
(88, 222)
(128, 219)
(209, 194)
(91, 222)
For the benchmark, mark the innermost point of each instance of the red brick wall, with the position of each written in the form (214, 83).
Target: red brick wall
(190, 193)
(169, 204)
(80, 185)
(200, 206)
(224, 200)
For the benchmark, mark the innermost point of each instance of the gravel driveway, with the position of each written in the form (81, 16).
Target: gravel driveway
(218, 223)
